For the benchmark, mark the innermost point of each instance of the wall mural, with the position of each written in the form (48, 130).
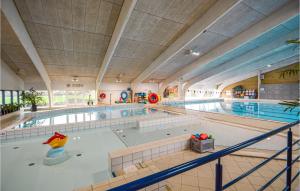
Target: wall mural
(170, 92)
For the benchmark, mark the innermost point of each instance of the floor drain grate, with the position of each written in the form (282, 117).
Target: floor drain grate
(79, 154)
(31, 164)
(168, 134)
(185, 130)
(16, 147)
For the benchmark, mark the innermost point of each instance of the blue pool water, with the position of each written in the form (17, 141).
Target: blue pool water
(91, 115)
(269, 111)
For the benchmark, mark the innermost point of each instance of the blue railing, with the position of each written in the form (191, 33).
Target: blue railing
(168, 173)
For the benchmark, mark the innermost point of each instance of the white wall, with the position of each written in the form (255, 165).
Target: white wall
(9, 80)
(66, 83)
(145, 87)
(113, 90)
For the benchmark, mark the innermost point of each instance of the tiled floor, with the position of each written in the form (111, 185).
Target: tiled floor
(203, 177)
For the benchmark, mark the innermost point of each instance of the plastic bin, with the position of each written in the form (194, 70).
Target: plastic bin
(202, 145)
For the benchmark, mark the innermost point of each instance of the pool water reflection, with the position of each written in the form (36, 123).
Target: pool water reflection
(86, 116)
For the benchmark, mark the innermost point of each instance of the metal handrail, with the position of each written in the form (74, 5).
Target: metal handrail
(168, 173)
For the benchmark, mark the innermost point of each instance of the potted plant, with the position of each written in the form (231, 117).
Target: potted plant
(33, 98)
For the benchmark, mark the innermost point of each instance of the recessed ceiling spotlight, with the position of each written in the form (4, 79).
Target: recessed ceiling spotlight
(75, 79)
(192, 52)
(118, 80)
(269, 65)
(196, 53)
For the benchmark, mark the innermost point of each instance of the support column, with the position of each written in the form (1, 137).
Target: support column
(50, 98)
(181, 91)
(258, 84)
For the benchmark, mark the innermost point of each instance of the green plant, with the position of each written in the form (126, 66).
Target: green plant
(291, 105)
(289, 72)
(293, 41)
(32, 97)
(8, 108)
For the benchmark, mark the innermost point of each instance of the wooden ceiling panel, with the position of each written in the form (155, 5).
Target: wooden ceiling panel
(230, 25)
(152, 27)
(14, 55)
(107, 18)
(149, 28)
(175, 10)
(136, 49)
(70, 32)
(72, 70)
(127, 67)
(91, 15)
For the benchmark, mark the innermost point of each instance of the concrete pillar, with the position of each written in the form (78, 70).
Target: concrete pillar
(181, 91)
(258, 83)
(50, 98)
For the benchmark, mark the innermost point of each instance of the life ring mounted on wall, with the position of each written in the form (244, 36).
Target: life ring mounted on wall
(153, 98)
(124, 95)
(102, 96)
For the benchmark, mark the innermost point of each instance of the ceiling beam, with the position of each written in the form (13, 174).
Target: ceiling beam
(217, 11)
(249, 57)
(242, 77)
(14, 19)
(255, 66)
(273, 20)
(127, 9)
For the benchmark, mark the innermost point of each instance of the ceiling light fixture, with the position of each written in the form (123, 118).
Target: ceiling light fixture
(192, 52)
(75, 79)
(118, 80)
(196, 53)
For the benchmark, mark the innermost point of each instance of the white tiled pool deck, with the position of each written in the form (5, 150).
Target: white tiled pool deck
(202, 178)
(94, 140)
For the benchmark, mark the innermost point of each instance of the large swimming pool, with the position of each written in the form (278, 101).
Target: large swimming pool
(22, 158)
(86, 115)
(268, 111)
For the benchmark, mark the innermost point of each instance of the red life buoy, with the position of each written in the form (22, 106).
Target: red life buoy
(102, 96)
(153, 98)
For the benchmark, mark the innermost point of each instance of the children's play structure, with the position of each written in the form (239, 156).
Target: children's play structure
(57, 153)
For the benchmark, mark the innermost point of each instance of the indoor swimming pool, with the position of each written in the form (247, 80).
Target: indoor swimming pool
(86, 115)
(268, 111)
(22, 159)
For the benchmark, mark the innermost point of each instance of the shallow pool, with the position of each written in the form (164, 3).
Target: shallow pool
(22, 165)
(269, 111)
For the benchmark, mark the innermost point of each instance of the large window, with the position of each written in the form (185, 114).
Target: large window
(7, 98)
(15, 97)
(72, 97)
(1, 98)
(44, 95)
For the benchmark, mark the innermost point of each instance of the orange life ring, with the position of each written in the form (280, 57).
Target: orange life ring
(102, 96)
(153, 98)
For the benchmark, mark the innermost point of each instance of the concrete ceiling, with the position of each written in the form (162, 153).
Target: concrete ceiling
(241, 17)
(152, 27)
(269, 48)
(15, 56)
(71, 36)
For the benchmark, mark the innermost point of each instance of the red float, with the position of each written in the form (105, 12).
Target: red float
(153, 98)
(102, 96)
